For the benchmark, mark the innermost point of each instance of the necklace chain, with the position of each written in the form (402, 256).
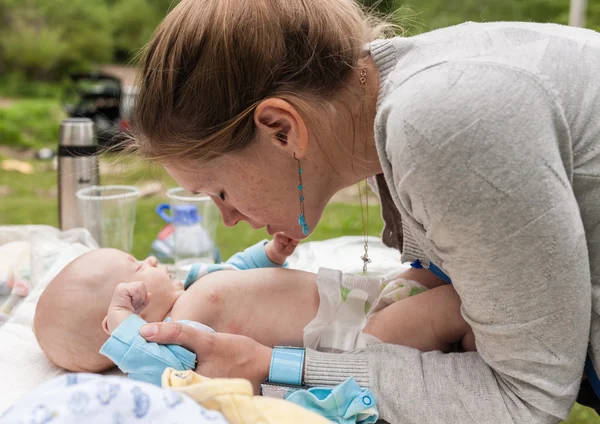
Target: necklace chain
(365, 256)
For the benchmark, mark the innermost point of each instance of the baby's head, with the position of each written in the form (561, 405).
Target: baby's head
(69, 316)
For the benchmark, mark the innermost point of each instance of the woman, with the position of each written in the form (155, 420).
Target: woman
(484, 144)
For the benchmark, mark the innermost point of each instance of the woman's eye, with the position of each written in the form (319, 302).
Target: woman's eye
(222, 196)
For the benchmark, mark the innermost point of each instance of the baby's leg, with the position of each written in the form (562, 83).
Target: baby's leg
(428, 321)
(269, 305)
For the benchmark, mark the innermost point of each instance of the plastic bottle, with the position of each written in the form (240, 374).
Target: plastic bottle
(192, 241)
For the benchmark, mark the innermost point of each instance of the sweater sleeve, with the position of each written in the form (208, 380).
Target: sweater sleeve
(480, 156)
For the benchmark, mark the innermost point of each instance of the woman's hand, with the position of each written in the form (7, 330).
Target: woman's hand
(218, 354)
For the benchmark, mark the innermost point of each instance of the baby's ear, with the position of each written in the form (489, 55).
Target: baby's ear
(105, 325)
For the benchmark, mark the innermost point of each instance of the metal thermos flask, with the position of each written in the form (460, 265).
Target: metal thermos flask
(77, 167)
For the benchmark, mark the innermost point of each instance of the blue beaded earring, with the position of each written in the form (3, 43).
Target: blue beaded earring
(301, 218)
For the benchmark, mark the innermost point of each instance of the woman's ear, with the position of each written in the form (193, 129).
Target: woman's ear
(283, 125)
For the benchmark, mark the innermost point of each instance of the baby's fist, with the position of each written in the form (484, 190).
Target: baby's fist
(128, 299)
(130, 296)
(280, 248)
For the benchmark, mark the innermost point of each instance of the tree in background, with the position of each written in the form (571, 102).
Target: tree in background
(133, 22)
(45, 39)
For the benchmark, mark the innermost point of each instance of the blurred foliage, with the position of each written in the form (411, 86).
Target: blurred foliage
(43, 39)
(418, 16)
(46, 39)
(30, 123)
(133, 22)
(15, 84)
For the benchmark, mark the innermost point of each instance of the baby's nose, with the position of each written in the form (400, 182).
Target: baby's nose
(151, 261)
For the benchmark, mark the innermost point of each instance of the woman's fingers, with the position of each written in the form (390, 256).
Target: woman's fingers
(218, 354)
(177, 333)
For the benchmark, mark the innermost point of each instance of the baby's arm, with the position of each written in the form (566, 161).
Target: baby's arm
(265, 254)
(271, 254)
(428, 321)
(141, 359)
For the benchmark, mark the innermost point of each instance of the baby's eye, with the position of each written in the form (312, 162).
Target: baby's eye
(222, 196)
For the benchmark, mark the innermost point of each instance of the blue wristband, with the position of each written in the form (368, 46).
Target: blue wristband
(286, 365)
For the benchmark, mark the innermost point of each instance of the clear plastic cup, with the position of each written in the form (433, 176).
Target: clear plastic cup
(108, 212)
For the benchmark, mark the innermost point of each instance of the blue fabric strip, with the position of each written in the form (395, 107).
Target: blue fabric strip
(192, 276)
(417, 264)
(433, 268)
(439, 273)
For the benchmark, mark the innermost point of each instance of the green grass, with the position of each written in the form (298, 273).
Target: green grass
(35, 210)
(31, 202)
(31, 123)
(582, 415)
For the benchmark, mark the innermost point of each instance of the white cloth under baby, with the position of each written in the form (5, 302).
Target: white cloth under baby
(347, 302)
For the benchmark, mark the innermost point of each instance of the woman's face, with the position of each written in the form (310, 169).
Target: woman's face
(260, 186)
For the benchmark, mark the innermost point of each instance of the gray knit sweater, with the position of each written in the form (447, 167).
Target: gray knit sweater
(489, 139)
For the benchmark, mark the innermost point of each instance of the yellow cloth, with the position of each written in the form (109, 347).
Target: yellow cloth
(234, 398)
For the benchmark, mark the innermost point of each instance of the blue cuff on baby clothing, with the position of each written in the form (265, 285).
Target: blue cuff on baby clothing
(141, 359)
(346, 403)
(253, 257)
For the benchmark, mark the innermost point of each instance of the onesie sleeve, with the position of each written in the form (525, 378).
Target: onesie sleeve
(141, 359)
(253, 257)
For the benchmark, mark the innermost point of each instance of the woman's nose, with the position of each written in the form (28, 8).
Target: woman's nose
(230, 216)
(230, 220)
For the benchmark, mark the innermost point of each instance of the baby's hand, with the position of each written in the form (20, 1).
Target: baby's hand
(280, 248)
(128, 299)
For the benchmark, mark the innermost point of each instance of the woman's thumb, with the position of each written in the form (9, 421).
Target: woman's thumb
(174, 333)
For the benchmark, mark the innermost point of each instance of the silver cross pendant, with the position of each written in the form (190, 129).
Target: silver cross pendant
(366, 260)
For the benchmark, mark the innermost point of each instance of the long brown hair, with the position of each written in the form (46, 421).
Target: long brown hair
(211, 62)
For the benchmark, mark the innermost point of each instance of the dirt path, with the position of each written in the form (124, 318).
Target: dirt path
(126, 74)
(5, 102)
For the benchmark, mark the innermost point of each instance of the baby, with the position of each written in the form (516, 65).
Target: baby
(87, 308)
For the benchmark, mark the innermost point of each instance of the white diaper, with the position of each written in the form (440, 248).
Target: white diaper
(347, 302)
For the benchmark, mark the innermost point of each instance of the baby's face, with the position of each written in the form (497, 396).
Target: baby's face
(164, 291)
(70, 311)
